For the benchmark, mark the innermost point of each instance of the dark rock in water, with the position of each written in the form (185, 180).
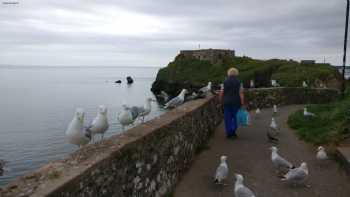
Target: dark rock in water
(118, 81)
(130, 80)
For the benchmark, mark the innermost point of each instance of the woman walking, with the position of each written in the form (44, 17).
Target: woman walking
(233, 98)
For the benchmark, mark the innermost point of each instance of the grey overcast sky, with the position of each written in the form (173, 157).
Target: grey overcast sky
(151, 32)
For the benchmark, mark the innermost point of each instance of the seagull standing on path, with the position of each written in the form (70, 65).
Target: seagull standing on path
(76, 133)
(258, 111)
(100, 124)
(176, 101)
(240, 189)
(308, 114)
(275, 109)
(222, 171)
(273, 125)
(321, 154)
(297, 175)
(279, 162)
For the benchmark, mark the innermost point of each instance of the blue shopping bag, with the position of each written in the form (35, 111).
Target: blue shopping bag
(242, 117)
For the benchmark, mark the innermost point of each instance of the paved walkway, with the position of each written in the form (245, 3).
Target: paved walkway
(250, 156)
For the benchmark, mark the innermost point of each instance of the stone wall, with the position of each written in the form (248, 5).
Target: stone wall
(145, 161)
(267, 97)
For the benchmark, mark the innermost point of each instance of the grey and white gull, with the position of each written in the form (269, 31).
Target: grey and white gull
(297, 175)
(176, 101)
(279, 162)
(100, 123)
(76, 133)
(221, 171)
(240, 189)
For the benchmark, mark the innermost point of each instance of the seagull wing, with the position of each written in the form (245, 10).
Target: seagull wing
(281, 162)
(173, 102)
(296, 175)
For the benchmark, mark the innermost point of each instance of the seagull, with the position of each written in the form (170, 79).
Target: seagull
(176, 101)
(274, 83)
(193, 96)
(279, 162)
(145, 109)
(100, 124)
(251, 83)
(274, 109)
(304, 84)
(321, 154)
(308, 114)
(297, 175)
(164, 96)
(206, 89)
(240, 189)
(76, 133)
(222, 171)
(127, 116)
(258, 111)
(272, 135)
(273, 125)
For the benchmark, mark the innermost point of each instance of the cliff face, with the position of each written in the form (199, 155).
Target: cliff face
(192, 73)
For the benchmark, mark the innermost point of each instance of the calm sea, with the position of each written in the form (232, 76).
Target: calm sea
(37, 103)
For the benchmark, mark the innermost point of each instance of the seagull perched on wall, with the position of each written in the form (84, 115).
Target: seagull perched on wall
(100, 124)
(163, 96)
(307, 113)
(274, 83)
(145, 109)
(252, 85)
(240, 189)
(176, 101)
(279, 162)
(297, 175)
(127, 116)
(206, 88)
(76, 133)
(221, 171)
(304, 84)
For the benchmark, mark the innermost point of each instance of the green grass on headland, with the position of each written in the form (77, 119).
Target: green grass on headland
(287, 72)
(331, 124)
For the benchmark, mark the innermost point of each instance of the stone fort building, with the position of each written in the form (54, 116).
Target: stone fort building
(212, 55)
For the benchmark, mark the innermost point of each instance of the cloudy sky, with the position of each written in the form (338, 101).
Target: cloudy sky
(151, 32)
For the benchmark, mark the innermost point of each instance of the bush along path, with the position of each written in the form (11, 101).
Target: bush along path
(250, 156)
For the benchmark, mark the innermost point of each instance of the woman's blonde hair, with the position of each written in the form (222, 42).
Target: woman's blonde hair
(232, 72)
